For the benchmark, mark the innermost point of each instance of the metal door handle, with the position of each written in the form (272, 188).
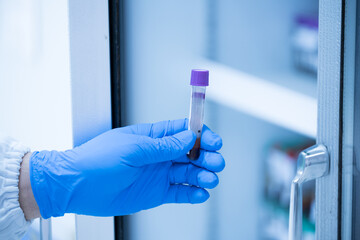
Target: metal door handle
(312, 163)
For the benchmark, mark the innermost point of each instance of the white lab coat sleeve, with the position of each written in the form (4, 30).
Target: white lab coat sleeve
(13, 224)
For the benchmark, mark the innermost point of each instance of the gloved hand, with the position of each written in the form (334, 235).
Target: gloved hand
(126, 170)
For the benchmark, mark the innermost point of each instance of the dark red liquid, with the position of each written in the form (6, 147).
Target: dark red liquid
(194, 153)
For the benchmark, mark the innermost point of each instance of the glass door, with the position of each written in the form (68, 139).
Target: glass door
(262, 58)
(282, 78)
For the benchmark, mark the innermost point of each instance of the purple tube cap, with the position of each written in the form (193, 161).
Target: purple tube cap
(199, 77)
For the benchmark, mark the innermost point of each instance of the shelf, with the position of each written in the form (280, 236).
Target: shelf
(292, 108)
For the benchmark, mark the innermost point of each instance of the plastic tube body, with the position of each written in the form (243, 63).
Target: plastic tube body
(197, 104)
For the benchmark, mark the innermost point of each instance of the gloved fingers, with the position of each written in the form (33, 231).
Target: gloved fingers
(155, 150)
(157, 130)
(186, 194)
(209, 140)
(168, 128)
(192, 175)
(212, 161)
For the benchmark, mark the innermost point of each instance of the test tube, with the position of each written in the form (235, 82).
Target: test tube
(199, 81)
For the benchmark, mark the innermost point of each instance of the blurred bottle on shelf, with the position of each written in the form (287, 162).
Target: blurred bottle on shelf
(305, 43)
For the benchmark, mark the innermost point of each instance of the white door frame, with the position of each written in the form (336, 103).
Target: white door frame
(91, 93)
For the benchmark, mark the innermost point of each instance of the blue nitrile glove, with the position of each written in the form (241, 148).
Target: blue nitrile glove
(126, 170)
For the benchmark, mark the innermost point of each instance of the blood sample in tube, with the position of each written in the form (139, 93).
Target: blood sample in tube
(199, 81)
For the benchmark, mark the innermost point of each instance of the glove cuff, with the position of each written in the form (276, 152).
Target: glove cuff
(44, 183)
(13, 224)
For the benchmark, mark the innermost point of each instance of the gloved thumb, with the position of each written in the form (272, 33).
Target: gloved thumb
(169, 147)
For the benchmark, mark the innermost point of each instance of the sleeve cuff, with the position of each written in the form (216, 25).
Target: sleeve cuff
(13, 224)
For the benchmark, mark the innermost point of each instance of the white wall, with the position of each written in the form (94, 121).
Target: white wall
(35, 93)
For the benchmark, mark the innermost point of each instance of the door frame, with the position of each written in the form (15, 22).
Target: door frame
(330, 81)
(91, 91)
(336, 122)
